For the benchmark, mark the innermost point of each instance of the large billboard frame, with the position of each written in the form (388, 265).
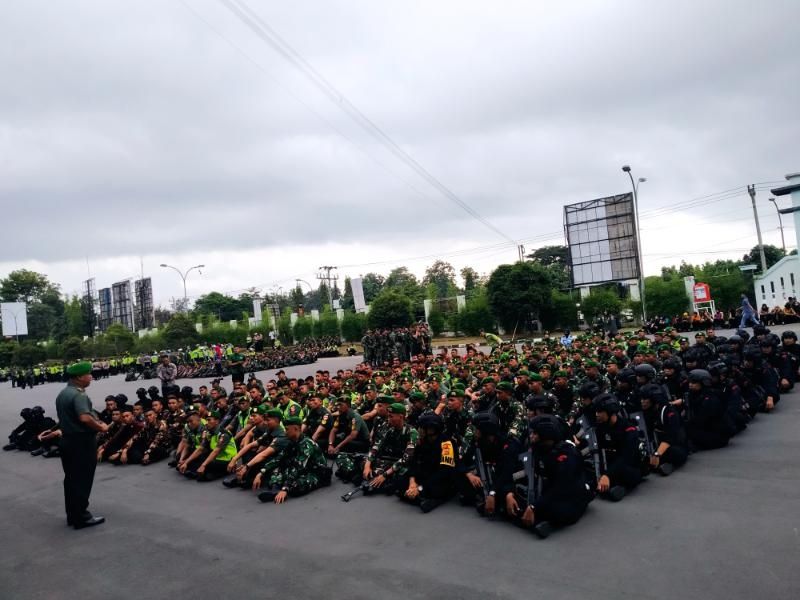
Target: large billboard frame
(602, 239)
(15, 318)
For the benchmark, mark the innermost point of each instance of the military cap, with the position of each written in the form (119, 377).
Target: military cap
(384, 399)
(416, 396)
(79, 369)
(456, 393)
(261, 409)
(523, 373)
(370, 387)
(486, 380)
(591, 363)
(664, 347)
(345, 398)
(215, 414)
(505, 386)
(536, 377)
(397, 408)
(561, 374)
(274, 413)
(293, 421)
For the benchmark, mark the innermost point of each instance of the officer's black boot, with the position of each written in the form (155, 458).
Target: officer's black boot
(231, 481)
(665, 469)
(428, 504)
(616, 493)
(268, 495)
(10, 447)
(542, 530)
(38, 452)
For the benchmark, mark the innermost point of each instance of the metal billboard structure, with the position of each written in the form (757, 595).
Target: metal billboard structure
(106, 309)
(122, 303)
(601, 235)
(88, 304)
(145, 315)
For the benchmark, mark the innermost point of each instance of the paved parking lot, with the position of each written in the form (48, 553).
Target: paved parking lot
(725, 526)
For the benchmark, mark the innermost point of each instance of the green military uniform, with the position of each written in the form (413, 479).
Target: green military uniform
(301, 467)
(78, 453)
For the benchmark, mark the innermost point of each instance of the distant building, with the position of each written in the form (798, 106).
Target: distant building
(782, 281)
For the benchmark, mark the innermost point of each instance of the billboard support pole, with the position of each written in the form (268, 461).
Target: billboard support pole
(627, 170)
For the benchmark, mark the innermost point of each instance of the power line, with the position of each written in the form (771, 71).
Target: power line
(250, 19)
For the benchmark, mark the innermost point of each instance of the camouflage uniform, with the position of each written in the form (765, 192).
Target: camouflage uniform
(510, 417)
(301, 468)
(348, 460)
(392, 449)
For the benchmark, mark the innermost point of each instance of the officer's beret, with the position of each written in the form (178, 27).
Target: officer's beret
(505, 386)
(79, 369)
(536, 377)
(591, 363)
(261, 409)
(398, 408)
(274, 413)
(523, 373)
(414, 396)
(486, 380)
(384, 399)
(345, 398)
(293, 421)
(215, 414)
(456, 393)
(370, 387)
(561, 374)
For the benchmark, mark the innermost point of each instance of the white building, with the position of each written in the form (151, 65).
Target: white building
(778, 284)
(782, 280)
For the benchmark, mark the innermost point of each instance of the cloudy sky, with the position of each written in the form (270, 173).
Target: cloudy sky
(169, 131)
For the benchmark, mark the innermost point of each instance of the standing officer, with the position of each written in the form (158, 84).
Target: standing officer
(79, 425)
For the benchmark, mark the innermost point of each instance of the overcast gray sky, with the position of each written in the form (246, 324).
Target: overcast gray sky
(169, 131)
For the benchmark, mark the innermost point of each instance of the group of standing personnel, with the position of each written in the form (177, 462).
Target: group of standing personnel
(531, 433)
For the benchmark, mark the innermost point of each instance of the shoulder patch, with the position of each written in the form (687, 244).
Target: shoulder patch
(561, 458)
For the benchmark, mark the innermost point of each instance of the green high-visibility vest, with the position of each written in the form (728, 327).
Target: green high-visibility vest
(227, 453)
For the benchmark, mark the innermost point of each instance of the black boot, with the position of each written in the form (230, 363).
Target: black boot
(542, 530)
(268, 495)
(38, 452)
(616, 493)
(231, 481)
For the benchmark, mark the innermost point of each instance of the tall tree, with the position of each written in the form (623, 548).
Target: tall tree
(555, 260)
(471, 281)
(372, 283)
(772, 253)
(518, 294)
(23, 285)
(442, 275)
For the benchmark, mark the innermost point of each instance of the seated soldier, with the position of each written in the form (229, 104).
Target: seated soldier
(386, 465)
(210, 458)
(432, 469)
(348, 438)
(545, 486)
(618, 441)
(301, 467)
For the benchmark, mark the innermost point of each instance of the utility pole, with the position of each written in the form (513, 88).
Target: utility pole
(328, 278)
(751, 189)
(521, 251)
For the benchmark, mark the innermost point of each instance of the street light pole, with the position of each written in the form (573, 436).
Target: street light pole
(780, 224)
(183, 276)
(635, 186)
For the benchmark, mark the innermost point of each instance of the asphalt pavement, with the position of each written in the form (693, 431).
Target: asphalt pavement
(727, 525)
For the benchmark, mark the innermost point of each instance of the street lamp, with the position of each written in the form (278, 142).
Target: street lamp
(635, 186)
(780, 223)
(184, 275)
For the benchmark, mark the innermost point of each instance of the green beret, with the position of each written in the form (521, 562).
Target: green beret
(456, 393)
(413, 396)
(293, 421)
(261, 409)
(523, 373)
(345, 399)
(486, 380)
(370, 387)
(546, 366)
(591, 363)
(504, 356)
(279, 394)
(79, 369)
(505, 386)
(562, 374)
(664, 347)
(397, 408)
(536, 377)
(215, 414)
(274, 413)
(384, 399)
